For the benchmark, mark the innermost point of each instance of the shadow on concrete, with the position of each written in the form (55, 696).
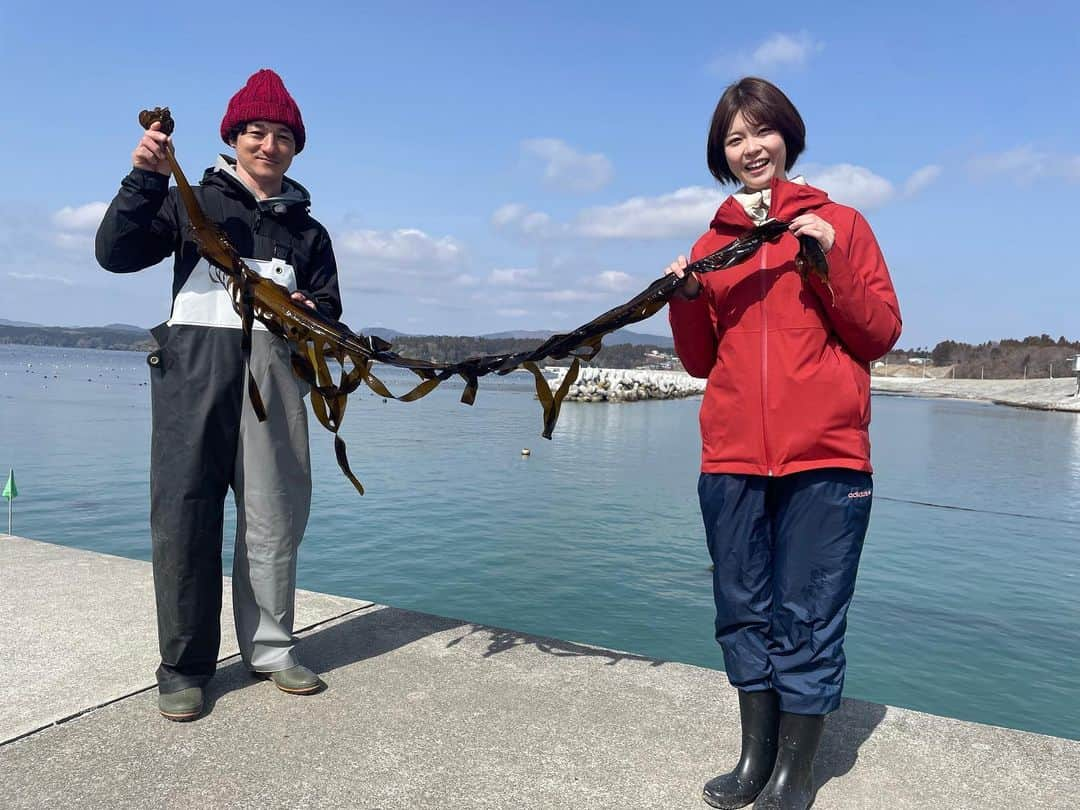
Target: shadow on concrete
(500, 641)
(846, 730)
(367, 636)
(383, 630)
(364, 636)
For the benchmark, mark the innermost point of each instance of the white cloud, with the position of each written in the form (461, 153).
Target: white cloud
(512, 277)
(84, 218)
(405, 247)
(1014, 161)
(466, 280)
(1026, 164)
(614, 280)
(851, 185)
(508, 214)
(529, 285)
(512, 313)
(860, 188)
(777, 52)
(517, 218)
(781, 50)
(920, 179)
(568, 169)
(41, 277)
(684, 212)
(74, 241)
(571, 295)
(75, 226)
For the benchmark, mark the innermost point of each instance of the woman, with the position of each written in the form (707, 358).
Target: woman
(785, 484)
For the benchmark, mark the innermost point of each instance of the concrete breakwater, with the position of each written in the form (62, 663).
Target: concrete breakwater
(632, 385)
(427, 711)
(1046, 395)
(629, 385)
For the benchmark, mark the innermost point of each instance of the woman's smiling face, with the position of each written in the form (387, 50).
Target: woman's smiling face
(755, 152)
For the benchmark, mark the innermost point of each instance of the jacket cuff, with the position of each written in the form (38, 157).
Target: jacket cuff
(688, 306)
(151, 184)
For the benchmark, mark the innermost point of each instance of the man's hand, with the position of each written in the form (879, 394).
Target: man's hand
(303, 299)
(150, 153)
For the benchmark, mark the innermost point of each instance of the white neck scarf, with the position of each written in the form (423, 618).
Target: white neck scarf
(756, 203)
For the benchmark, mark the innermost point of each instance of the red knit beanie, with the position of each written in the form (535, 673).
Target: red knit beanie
(264, 98)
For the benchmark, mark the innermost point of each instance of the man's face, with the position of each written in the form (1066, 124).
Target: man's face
(264, 152)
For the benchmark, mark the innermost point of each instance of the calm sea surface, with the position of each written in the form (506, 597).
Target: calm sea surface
(596, 537)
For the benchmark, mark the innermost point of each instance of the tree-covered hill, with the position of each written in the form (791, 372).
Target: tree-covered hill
(437, 348)
(82, 337)
(1030, 357)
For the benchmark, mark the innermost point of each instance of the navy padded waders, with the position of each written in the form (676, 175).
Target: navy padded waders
(785, 553)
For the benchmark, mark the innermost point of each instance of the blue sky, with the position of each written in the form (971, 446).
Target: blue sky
(493, 166)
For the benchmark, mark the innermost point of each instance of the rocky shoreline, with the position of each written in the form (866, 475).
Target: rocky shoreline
(628, 385)
(634, 385)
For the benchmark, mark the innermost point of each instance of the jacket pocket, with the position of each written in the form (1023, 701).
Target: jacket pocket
(857, 381)
(160, 359)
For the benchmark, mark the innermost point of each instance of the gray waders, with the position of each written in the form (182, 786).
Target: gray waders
(205, 440)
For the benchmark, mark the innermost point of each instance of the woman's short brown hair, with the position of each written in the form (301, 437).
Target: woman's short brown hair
(760, 102)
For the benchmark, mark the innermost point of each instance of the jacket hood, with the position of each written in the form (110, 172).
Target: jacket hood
(223, 174)
(788, 201)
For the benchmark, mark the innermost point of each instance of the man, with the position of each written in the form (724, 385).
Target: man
(206, 437)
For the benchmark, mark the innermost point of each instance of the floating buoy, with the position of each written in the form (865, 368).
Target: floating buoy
(525, 451)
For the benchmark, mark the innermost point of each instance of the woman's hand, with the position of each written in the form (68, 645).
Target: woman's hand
(815, 226)
(692, 286)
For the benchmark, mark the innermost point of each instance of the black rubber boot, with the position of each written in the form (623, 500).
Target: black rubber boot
(759, 713)
(791, 786)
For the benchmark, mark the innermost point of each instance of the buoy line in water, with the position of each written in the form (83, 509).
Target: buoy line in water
(980, 511)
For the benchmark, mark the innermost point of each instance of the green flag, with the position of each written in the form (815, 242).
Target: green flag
(10, 490)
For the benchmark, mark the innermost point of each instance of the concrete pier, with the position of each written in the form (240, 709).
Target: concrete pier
(1043, 395)
(426, 712)
(632, 385)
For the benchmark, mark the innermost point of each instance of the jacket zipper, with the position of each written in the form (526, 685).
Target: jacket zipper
(764, 359)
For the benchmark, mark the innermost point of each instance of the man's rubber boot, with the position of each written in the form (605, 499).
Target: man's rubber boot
(759, 713)
(791, 786)
(187, 704)
(298, 680)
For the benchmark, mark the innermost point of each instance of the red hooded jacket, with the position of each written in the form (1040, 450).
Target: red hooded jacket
(787, 361)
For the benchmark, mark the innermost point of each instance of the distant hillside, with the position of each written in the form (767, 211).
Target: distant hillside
(444, 349)
(382, 332)
(1031, 357)
(617, 337)
(519, 334)
(62, 335)
(89, 337)
(124, 327)
(641, 339)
